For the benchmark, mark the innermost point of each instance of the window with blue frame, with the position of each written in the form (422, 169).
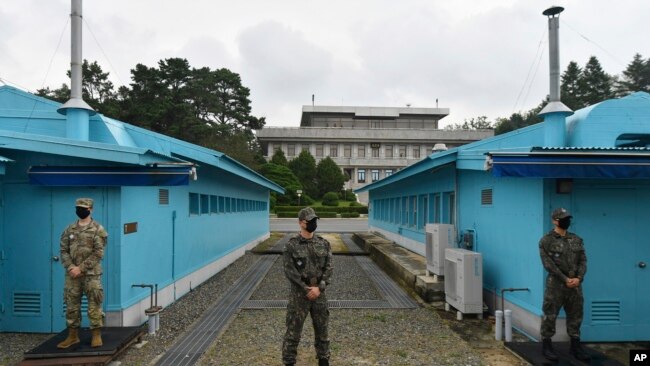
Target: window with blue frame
(205, 204)
(405, 210)
(437, 218)
(194, 203)
(214, 204)
(414, 211)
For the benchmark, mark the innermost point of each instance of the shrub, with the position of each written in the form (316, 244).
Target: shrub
(355, 204)
(349, 214)
(288, 214)
(326, 214)
(331, 199)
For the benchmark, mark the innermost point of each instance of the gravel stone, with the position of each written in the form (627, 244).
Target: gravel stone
(349, 282)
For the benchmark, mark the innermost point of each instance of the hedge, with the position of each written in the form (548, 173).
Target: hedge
(294, 214)
(349, 214)
(289, 214)
(326, 214)
(359, 209)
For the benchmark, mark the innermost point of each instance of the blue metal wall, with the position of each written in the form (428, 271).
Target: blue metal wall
(389, 212)
(506, 232)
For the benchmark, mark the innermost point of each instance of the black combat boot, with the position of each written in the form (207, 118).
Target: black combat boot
(577, 351)
(547, 350)
(323, 362)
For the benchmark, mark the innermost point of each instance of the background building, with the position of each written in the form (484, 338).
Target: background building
(368, 143)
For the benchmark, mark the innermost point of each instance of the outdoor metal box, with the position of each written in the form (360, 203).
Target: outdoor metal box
(464, 280)
(439, 237)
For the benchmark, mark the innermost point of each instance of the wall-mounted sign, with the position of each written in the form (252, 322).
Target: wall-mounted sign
(375, 145)
(130, 227)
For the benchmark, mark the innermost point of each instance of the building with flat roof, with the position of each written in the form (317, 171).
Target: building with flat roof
(368, 143)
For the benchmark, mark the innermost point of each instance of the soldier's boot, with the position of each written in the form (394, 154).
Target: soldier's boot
(547, 350)
(73, 338)
(577, 351)
(289, 364)
(323, 362)
(96, 341)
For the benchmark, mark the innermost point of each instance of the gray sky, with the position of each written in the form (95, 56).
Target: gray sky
(477, 57)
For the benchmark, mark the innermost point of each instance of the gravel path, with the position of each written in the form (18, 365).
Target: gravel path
(349, 282)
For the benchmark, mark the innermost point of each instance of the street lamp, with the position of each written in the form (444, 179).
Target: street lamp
(299, 192)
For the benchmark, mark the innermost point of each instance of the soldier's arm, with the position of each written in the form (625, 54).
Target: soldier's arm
(327, 271)
(548, 262)
(99, 242)
(290, 270)
(582, 263)
(64, 244)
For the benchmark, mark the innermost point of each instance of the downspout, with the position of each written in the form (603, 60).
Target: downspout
(555, 112)
(77, 112)
(174, 251)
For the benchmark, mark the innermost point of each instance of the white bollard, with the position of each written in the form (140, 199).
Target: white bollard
(157, 321)
(498, 325)
(152, 324)
(507, 314)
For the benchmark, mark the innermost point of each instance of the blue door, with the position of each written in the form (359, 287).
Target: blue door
(28, 257)
(33, 277)
(616, 286)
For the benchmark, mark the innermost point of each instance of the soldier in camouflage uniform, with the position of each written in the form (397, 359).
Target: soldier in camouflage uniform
(563, 256)
(308, 267)
(82, 249)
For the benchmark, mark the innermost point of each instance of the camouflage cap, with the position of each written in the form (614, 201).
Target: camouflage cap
(84, 202)
(560, 213)
(307, 213)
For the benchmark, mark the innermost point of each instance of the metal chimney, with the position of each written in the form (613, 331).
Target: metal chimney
(77, 112)
(555, 112)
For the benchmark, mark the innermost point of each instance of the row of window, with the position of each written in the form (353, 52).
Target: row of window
(390, 151)
(205, 204)
(374, 174)
(417, 210)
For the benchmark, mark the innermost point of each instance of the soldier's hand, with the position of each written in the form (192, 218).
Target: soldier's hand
(573, 282)
(313, 294)
(74, 272)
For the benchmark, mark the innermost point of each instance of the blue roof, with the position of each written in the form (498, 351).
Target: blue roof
(31, 123)
(593, 128)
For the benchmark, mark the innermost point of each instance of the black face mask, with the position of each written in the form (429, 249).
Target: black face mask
(82, 212)
(312, 225)
(564, 223)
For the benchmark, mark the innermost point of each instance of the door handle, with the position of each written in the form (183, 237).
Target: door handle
(641, 264)
(55, 258)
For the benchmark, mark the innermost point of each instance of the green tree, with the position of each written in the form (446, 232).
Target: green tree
(329, 177)
(304, 167)
(97, 90)
(474, 123)
(284, 177)
(636, 77)
(572, 87)
(279, 158)
(597, 84)
(519, 120)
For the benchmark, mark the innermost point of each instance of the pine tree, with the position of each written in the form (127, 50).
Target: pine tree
(636, 77)
(304, 167)
(597, 84)
(571, 88)
(329, 177)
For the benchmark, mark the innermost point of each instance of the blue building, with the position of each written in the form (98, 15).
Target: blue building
(176, 213)
(503, 190)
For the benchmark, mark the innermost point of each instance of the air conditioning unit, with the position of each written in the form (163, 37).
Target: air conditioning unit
(439, 237)
(464, 281)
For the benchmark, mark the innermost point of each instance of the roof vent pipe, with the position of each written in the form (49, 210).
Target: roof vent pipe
(555, 112)
(77, 112)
